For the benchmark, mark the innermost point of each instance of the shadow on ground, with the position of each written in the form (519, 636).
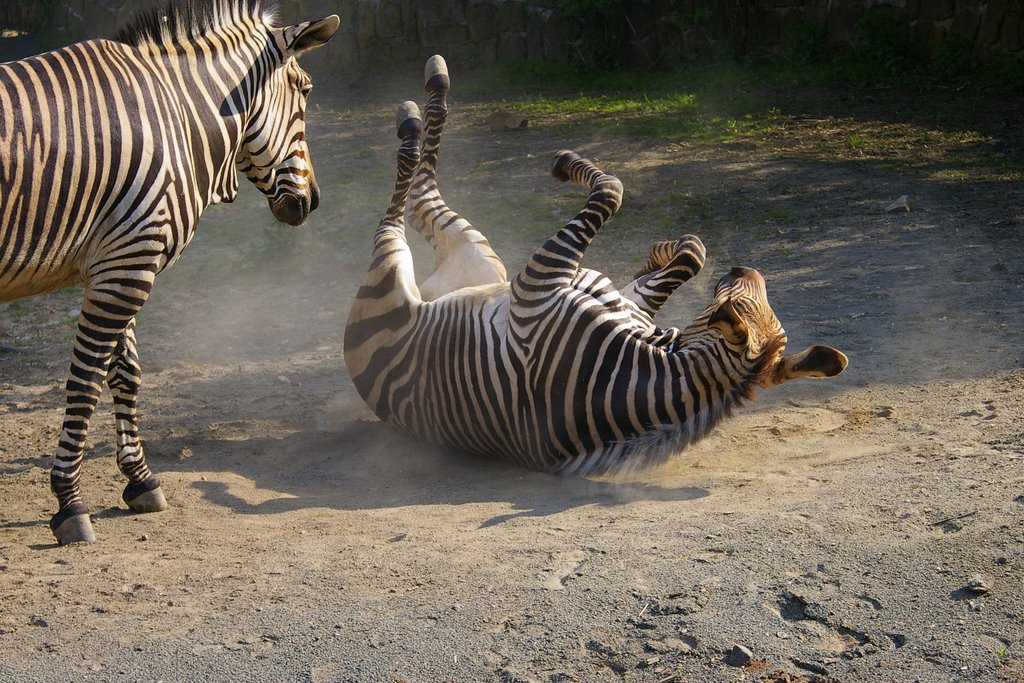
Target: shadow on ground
(365, 465)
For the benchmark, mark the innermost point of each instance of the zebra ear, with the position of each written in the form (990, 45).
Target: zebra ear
(727, 321)
(310, 35)
(814, 361)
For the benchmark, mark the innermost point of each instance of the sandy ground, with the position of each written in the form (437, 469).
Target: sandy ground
(867, 528)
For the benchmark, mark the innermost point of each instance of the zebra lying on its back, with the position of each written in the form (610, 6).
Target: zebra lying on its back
(556, 370)
(109, 152)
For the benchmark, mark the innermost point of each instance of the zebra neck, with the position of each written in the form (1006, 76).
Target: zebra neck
(722, 377)
(216, 96)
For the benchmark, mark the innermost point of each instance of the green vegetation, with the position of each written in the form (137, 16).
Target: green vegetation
(672, 116)
(904, 120)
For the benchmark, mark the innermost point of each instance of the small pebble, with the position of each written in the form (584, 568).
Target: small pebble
(739, 656)
(977, 585)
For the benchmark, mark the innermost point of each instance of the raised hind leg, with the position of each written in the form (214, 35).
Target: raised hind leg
(124, 377)
(464, 256)
(384, 303)
(669, 264)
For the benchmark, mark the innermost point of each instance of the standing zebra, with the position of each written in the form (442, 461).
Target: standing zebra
(109, 152)
(556, 370)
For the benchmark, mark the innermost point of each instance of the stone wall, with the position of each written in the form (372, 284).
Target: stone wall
(640, 32)
(985, 29)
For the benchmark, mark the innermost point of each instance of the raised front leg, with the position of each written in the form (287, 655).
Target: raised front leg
(464, 257)
(554, 265)
(124, 377)
(391, 280)
(669, 264)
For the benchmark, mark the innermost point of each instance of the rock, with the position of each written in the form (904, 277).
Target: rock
(977, 585)
(739, 656)
(505, 120)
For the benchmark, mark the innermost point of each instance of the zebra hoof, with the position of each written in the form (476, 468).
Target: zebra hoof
(72, 529)
(407, 120)
(435, 75)
(560, 166)
(142, 498)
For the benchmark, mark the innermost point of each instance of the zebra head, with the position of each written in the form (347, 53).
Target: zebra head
(742, 316)
(274, 154)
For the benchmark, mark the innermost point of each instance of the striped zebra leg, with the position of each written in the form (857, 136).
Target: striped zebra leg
(669, 264)
(557, 261)
(389, 289)
(124, 377)
(391, 255)
(464, 256)
(109, 304)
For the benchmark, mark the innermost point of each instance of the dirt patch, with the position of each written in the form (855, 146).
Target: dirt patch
(832, 529)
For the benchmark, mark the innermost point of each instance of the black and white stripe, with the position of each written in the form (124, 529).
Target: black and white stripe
(109, 152)
(556, 370)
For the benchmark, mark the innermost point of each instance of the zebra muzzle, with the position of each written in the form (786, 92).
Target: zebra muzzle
(291, 209)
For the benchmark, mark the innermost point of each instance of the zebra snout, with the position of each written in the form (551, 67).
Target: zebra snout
(292, 209)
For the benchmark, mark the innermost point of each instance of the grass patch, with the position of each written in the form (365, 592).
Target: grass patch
(783, 107)
(674, 116)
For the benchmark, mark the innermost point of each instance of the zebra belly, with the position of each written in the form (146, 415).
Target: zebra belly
(459, 379)
(46, 282)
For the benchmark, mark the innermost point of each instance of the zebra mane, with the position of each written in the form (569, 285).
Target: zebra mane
(182, 21)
